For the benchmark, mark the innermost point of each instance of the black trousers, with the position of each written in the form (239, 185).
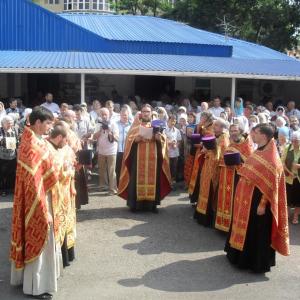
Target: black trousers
(7, 174)
(173, 167)
(119, 166)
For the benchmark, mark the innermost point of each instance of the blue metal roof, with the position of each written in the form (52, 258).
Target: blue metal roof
(76, 61)
(142, 29)
(26, 26)
(33, 39)
(152, 29)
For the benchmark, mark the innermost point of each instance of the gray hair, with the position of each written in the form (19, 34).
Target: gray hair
(6, 119)
(280, 119)
(223, 123)
(104, 109)
(263, 118)
(128, 109)
(296, 136)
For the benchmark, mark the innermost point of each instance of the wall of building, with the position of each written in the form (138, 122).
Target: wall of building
(218, 86)
(96, 86)
(53, 7)
(12, 85)
(254, 90)
(67, 87)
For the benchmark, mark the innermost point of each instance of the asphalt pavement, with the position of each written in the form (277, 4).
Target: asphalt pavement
(124, 255)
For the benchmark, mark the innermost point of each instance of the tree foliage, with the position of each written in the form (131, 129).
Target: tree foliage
(273, 23)
(142, 7)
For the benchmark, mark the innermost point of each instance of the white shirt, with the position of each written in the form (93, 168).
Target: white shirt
(294, 112)
(114, 117)
(123, 131)
(94, 115)
(53, 107)
(105, 147)
(83, 127)
(173, 134)
(216, 111)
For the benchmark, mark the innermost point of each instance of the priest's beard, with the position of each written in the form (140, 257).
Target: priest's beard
(146, 120)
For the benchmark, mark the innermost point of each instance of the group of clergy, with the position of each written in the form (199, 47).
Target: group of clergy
(236, 183)
(233, 188)
(240, 191)
(44, 209)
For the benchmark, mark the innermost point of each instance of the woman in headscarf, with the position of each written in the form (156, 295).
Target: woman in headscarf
(162, 114)
(283, 139)
(8, 154)
(280, 112)
(291, 160)
(238, 107)
(2, 111)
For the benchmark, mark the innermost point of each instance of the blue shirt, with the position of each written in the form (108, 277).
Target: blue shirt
(13, 110)
(123, 131)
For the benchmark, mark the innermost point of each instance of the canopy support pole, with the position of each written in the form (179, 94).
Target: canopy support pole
(82, 88)
(233, 91)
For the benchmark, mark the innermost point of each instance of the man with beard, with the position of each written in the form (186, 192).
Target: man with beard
(107, 138)
(74, 141)
(145, 177)
(34, 255)
(260, 220)
(204, 128)
(205, 208)
(50, 105)
(228, 176)
(294, 125)
(64, 193)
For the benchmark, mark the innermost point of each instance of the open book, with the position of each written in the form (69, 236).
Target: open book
(146, 132)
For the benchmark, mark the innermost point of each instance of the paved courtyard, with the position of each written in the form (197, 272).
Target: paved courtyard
(121, 255)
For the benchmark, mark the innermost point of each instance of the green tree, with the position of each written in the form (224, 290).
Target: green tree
(273, 23)
(142, 7)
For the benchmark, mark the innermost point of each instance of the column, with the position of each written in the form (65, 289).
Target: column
(82, 88)
(233, 90)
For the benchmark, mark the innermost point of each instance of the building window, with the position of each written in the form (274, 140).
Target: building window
(51, 2)
(96, 5)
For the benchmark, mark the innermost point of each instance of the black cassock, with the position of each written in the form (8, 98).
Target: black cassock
(257, 255)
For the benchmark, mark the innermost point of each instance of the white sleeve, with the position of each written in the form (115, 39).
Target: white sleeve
(179, 138)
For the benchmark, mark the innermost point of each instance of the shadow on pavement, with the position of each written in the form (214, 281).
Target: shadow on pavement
(11, 293)
(173, 230)
(294, 234)
(209, 274)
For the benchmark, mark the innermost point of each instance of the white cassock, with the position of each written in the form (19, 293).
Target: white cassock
(40, 276)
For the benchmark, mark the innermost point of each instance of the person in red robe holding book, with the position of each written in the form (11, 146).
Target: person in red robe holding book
(260, 219)
(145, 177)
(228, 178)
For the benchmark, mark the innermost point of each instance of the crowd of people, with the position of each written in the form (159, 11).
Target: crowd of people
(240, 168)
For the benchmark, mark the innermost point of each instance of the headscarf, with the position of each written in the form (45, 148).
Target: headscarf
(239, 111)
(284, 131)
(243, 123)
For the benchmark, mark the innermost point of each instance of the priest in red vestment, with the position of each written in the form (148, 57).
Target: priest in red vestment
(260, 219)
(145, 177)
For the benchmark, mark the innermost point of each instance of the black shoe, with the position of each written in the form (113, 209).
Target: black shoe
(155, 210)
(133, 209)
(43, 296)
